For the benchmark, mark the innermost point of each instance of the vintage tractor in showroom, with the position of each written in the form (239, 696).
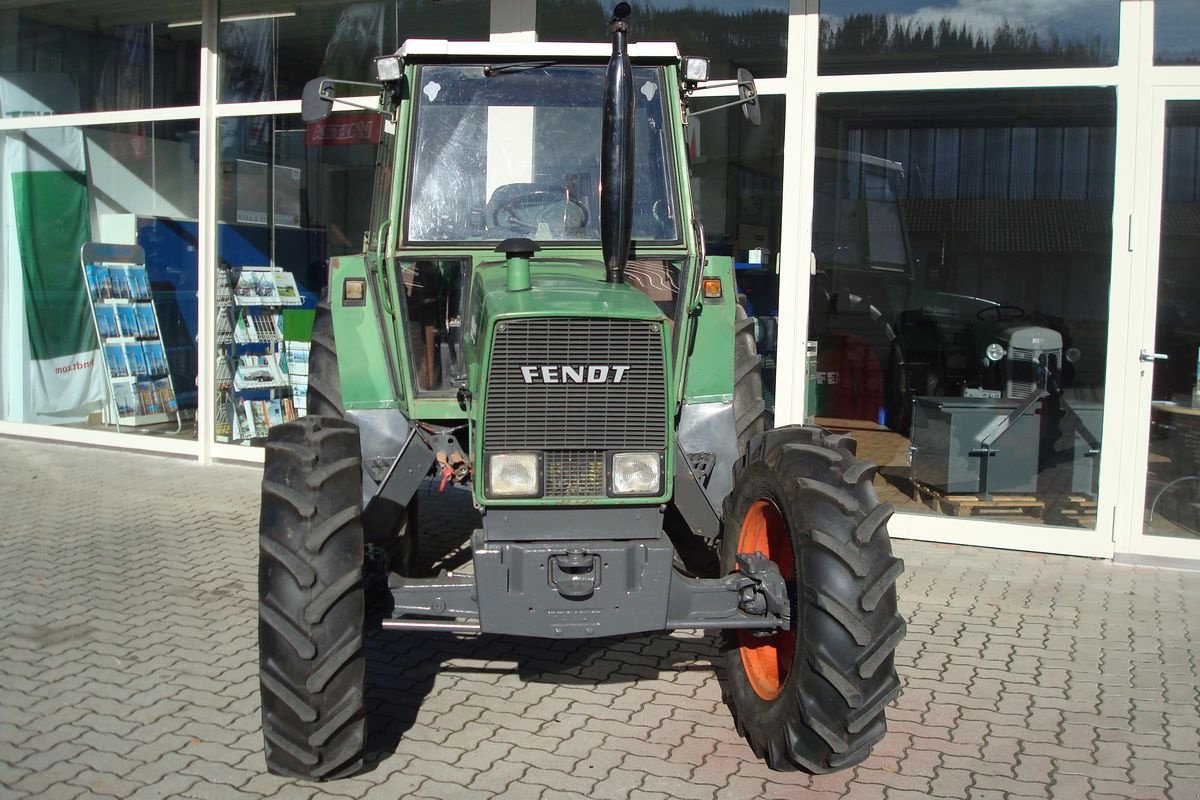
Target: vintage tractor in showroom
(534, 318)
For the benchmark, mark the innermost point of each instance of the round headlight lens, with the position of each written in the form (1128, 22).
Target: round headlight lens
(995, 351)
(1073, 354)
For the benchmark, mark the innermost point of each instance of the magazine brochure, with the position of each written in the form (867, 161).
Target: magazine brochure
(285, 286)
(259, 372)
(139, 283)
(135, 358)
(106, 321)
(127, 317)
(126, 399)
(146, 323)
(118, 279)
(114, 357)
(166, 394)
(147, 398)
(256, 287)
(98, 282)
(156, 358)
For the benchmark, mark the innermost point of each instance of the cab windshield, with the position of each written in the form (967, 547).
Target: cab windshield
(514, 150)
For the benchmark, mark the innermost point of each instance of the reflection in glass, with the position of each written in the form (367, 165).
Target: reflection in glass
(1173, 479)
(1176, 23)
(269, 54)
(962, 245)
(291, 197)
(745, 33)
(473, 181)
(81, 343)
(107, 59)
(737, 187)
(865, 36)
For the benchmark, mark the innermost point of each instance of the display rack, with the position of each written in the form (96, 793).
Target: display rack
(140, 391)
(255, 387)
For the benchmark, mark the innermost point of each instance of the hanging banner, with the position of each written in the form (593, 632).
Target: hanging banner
(43, 225)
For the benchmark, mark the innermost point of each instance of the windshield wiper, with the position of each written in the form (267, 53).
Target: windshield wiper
(516, 66)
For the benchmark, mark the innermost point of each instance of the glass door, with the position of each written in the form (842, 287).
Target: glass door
(1170, 374)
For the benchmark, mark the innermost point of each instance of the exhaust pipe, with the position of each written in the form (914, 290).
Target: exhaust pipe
(616, 152)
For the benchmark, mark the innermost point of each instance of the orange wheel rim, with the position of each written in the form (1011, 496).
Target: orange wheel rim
(768, 659)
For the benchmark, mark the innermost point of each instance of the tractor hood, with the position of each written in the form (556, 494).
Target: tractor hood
(559, 289)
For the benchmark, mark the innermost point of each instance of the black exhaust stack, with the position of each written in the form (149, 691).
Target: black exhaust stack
(616, 152)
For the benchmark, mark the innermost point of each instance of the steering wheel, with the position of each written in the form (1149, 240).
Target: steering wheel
(1000, 313)
(524, 213)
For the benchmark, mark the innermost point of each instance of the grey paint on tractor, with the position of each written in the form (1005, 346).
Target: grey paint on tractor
(710, 428)
(514, 524)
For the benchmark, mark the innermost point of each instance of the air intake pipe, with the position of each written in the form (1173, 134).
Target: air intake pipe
(616, 152)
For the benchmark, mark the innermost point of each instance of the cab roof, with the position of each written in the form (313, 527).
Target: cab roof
(416, 50)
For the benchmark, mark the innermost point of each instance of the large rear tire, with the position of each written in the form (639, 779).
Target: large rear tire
(749, 407)
(813, 697)
(311, 606)
(324, 379)
(390, 526)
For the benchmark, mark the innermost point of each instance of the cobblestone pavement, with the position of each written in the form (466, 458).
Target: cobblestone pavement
(128, 669)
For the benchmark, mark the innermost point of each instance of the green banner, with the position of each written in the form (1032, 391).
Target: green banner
(52, 225)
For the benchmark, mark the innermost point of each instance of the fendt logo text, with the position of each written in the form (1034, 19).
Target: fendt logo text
(585, 373)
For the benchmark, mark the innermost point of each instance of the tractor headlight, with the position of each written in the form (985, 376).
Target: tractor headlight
(514, 475)
(388, 68)
(1073, 355)
(636, 473)
(994, 352)
(695, 69)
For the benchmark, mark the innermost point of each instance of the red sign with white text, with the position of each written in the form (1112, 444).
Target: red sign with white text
(345, 129)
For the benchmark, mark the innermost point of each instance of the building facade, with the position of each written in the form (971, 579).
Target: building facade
(969, 236)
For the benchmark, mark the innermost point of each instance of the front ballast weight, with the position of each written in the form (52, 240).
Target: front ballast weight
(586, 589)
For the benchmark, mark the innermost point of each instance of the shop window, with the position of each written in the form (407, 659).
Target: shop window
(751, 35)
(102, 57)
(1175, 26)
(737, 185)
(106, 340)
(268, 52)
(291, 197)
(867, 36)
(960, 304)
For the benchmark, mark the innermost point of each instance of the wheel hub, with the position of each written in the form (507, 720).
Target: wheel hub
(768, 659)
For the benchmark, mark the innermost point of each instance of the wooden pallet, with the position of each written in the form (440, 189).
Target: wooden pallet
(970, 505)
(1076, 509)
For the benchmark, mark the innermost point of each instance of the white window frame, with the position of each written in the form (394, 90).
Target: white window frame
(805, 86)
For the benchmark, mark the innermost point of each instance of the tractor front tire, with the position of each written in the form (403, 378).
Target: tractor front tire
(311, 605)
(813, 697)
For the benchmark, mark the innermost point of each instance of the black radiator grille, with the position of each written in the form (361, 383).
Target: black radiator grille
(525, 412)
(574, 473)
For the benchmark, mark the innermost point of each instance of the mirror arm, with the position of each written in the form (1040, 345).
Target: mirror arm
(740, 102)
(718, 84)
(340, 101)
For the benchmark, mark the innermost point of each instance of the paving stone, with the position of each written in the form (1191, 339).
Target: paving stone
(1024, 675)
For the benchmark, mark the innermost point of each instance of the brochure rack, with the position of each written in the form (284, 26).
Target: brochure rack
(254, 384)
(140, 390)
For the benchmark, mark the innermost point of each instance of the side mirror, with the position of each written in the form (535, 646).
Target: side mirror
(695, 73)
(316, 102)
(748, 93)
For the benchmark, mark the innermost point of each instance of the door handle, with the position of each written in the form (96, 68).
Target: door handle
(1146, 355)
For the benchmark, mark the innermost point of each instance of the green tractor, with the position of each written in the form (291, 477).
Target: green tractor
(534, 319)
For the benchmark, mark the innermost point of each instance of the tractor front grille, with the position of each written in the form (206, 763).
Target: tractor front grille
(1022, 373)
(553, 387)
